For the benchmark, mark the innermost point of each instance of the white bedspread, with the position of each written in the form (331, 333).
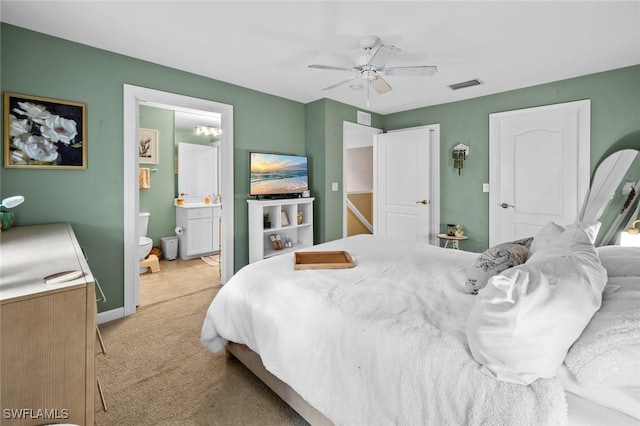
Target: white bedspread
(382, 343)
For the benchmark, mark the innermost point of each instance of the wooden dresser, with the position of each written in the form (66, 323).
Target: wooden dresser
(47, 331)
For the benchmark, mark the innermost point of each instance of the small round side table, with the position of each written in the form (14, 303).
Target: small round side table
(454, 240)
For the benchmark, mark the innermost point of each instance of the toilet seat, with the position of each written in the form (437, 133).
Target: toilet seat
(144, 247)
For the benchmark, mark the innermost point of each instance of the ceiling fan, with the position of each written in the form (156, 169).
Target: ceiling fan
(372, 66)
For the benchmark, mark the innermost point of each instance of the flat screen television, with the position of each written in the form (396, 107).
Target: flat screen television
(278, 175)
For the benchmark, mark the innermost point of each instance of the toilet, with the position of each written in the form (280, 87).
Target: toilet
(145, 243)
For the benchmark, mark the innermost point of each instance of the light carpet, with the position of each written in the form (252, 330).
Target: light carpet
(156, 372)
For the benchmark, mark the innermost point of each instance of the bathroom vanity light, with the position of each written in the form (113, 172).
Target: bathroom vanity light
(208, 131)
(631, 237)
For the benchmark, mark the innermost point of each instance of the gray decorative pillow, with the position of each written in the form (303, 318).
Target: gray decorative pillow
(494, 260)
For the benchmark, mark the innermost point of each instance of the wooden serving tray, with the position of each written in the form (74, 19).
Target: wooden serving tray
(322, 260)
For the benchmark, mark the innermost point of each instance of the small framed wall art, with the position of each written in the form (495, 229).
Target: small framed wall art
(284, 218)
(148, 146)
(44, 133)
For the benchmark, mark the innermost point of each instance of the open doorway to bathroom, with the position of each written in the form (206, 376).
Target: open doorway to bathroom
(185, 166)
(134, 97)
(177, 278)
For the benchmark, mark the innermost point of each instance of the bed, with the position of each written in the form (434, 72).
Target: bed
(389, 340)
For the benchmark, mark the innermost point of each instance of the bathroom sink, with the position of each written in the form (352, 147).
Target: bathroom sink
(193, 204)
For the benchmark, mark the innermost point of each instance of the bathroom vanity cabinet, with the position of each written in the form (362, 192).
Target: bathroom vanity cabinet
(48, 331)
(200, 224)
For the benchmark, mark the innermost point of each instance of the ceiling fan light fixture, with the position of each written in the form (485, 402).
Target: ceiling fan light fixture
(464, 84)
(380, 85)
(371, 66)
(369, 41)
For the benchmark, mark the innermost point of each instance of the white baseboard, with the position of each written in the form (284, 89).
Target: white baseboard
(111, 315)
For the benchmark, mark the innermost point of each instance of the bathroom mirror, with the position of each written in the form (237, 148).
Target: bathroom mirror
(614, 195)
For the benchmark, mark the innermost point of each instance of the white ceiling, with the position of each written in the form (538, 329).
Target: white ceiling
(267, 45)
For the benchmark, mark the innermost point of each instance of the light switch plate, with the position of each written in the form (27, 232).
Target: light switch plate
(334, 186)
(485, 187)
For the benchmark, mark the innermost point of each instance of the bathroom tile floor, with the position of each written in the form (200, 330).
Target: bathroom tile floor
(178, 278)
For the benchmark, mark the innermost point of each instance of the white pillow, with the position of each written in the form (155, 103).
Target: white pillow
(551, 231)
(523, 322)
(620, 261)
(545, 236)
(607, 354)
(591, 229)
(618, 398)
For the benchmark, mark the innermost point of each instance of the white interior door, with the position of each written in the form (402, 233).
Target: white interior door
(406, 184)
(539, 168)
(197, 170)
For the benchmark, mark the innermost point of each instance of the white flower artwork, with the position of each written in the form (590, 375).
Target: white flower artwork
(44, 133)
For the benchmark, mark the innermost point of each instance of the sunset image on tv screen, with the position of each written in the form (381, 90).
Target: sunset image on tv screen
(278, 174)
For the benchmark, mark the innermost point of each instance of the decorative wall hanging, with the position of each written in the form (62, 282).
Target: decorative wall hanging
(630, 192)
(44, 133)
(460, 153)
(148, 146)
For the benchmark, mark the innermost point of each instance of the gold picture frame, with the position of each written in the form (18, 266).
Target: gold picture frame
(147, 146)
(44, 133)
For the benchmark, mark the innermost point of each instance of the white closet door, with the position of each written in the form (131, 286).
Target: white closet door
(539, 168)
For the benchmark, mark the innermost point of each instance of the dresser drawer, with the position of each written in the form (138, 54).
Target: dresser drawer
(199, 213)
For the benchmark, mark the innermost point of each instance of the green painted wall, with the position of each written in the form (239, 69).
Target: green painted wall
(324, 126)
(615, 113)
(315, 149)
(158, 199)
(92, 200)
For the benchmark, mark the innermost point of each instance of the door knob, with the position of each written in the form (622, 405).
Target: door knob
(422, 202)
(505, 205)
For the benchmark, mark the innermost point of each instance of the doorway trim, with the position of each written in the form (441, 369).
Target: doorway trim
(134, 96)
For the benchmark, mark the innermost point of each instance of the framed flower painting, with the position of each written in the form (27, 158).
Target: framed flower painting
(44, 133)
(148, 146)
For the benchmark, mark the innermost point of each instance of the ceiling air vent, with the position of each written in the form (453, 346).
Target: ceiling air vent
(470, 83)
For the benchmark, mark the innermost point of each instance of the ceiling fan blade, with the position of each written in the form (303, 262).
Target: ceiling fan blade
(418, 70)
(382, 55)
(333, 86)
(328, 67)
(380, 85)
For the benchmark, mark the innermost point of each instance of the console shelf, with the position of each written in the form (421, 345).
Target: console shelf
(283, 214)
